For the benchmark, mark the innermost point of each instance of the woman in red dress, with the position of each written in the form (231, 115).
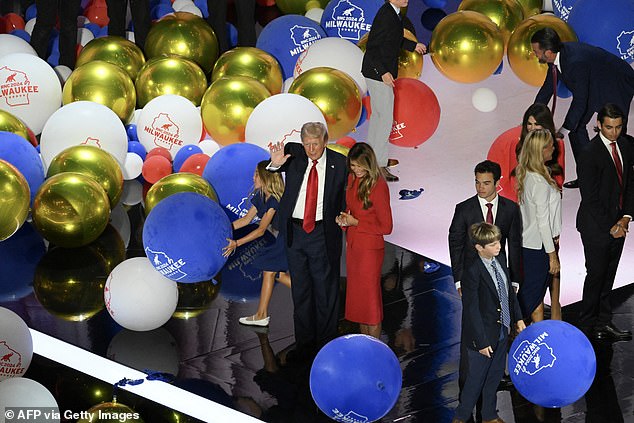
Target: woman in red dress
(368, 218)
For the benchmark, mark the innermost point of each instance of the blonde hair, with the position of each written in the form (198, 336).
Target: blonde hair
(363, 156)
(484, 233)
(531, 159)
(272, 183)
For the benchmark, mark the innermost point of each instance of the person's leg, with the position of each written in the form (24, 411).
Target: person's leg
(493, 378)
(245, 9)
(68, 11)
(374, 330)
(218, 21)
(268, 280)
(538, 314)
(381, 120)
(596, 251)
(555, 305)
(579, 138)
(615, 250)
(476, 376)
(116, 16)
(284, 278)
(45, 20)
(140, 10)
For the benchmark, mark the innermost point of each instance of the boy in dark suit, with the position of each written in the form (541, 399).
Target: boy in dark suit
(489, 305)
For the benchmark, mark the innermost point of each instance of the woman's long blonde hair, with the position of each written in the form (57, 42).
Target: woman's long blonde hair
(363, 156)
(531, 159)
(272, 183)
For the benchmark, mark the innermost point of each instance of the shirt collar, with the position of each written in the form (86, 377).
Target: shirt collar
(483, 202)
(606, 141)
(396, 9)
(556, 62)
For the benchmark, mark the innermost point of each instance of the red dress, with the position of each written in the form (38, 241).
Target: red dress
(364, 252)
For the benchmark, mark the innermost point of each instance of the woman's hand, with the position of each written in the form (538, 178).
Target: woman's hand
(554, 265)
(230, 248)
(346, 219)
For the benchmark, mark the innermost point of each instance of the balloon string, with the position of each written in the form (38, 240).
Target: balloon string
(151, 375)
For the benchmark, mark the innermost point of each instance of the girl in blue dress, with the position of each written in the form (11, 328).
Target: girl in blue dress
(271, 260)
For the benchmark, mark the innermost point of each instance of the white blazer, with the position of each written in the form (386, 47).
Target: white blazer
(541, 213)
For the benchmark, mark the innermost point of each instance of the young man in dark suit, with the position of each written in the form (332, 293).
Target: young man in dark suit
(593, 76)
(606, 181)
(489, 311)
(313, 197)
(380, 68)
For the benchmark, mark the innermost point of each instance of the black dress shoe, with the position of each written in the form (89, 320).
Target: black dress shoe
(572, 184)
(505, 384)
(389, 176)
(611, 333)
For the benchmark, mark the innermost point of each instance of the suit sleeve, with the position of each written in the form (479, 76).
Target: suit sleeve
(537, 193)
(378, 33)
(472, 316)
(546, 91)
(458, 241)
(588, 173)
(581, 79)
(514, 241)
(380, 198)
(628, 195)
(408, 44)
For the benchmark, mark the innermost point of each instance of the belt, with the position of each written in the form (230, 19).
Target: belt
(300, 222)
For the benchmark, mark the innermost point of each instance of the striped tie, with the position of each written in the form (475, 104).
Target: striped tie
(504, 298)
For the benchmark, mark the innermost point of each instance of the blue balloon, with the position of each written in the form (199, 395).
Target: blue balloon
(349, 19)
(22, 34)
(183, 237)
(430, 18)
(230, 172)
(160, 10)
(610, 27)
(20, 255)
(552, 363)
(562, 90)
(286, 37)
(562, 8)
(500, 68)
(439, 4)
(30, 13)
(93, 27)
(202, 5)
(21, 154)
(355, 378)
(183, 154)
(131, 130)
(103, 32)
(137, 148)
(232, 35)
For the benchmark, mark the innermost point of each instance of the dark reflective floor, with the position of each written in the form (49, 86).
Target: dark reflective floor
(60, 292)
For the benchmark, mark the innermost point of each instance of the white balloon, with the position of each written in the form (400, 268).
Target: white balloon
(84, 122)
(136, 114)
(179, 4)
(209, 146)
(138, 297)
(129, 35)
(84, 36)
(26, 393)
(16, 345)
(29, 89)
(132, 192)
(279, 119)
(484, 100)
(169, 121)
(82, 21)
(63, 72)
(156, 350)
(287, 84)
(28, 27)
(132, 167)
(315, 14)
(191, 8)
(10, 44)
(333, 52)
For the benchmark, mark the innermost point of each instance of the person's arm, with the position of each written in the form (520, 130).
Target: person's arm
(254, 234)
(458, 241)
(474, 324)
(545, 93)
(537, 196)
(382, 225)
(246, 219)
(279, 156)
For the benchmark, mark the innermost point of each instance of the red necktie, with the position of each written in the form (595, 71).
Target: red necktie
(310, 207)
(554, 70)
(619, 169)
(489, 213)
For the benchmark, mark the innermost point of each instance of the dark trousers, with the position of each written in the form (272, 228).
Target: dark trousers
(315, 287)
(245, 11)
(483, 377)
(47, 11)
(140, 10)
(602, 254)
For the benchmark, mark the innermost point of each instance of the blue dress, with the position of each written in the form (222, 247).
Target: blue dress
(272, 255)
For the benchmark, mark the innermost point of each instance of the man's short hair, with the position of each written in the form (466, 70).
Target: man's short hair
(314, 130)
(489, 166)
(484, 233)
(548, 39)
(612, 111)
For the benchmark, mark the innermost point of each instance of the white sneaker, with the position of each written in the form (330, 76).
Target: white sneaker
(250, 321)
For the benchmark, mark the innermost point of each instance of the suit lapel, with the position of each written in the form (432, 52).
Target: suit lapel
(330, 174)
(476, 211)
(489, 282)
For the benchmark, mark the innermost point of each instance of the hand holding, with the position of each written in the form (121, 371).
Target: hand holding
(347, 219)
(388, 79)
(520, 326)
(230, 248)
(420, 48)
(554, 265)
(486, 351)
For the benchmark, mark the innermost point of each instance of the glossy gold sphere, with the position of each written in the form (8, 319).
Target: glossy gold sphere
(195, 298)
(93, 162)
(71, 209)
(531, 7)
(227, 105)
(336, 95)
(15, 198)
(341, 149)
(184, 35)
(176, 183)
(251, 62)
(466, 46)
(10, 123)
(299, 7)
(115, 50)
(104, 83)
(520, 54)
(410, 63)
(507, 14)
(170, 75)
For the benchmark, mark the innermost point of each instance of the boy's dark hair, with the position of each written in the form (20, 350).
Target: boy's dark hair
(484, 233)
(611, 111)
(488, 166)
(548, 39)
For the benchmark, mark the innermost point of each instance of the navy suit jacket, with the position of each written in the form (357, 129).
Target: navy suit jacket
(600, 190)
(594, 77)
(481, 309)
(507, 218)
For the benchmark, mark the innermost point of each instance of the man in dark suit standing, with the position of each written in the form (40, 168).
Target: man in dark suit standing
(606, 181)
(593, 76)
(313, 197)
(245, 22)
(380, 68)
(47, 12)
(140, 10)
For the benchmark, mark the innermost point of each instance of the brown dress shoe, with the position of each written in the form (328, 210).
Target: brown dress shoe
(389, 176)
(392, 162)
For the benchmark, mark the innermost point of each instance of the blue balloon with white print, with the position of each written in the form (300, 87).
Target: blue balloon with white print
(349, 19)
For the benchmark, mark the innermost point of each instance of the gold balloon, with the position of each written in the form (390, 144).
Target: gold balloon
(341, 149)
(69, 283)
(93, 162)
(506, 14)
(410, 63)
(227, 105)
(251, 62)
(184, 35)
(531, 7)
(116, 50)
(175, 183)
(170, 75)
(520, 54)
(71, 209)
(195, 298)
(15, 198)
(336, 95)
(103, 83)
(10, 123)
(111, 412)
(466, 46)
(111, 247)
(299, 7)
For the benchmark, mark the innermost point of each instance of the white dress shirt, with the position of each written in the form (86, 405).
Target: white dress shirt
(485, 209)
(541, 213)
(298, 211)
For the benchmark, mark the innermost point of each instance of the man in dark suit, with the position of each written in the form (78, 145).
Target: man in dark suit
(245, 22)
(47, 11)
(140, 10)
(593, 76)
(606, 181)
(380, 68)
(313, 197)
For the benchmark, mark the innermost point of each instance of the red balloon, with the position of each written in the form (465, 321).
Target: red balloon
(159, 151)
(502, 151)
(12, 21)
(347, 141)
(98, 14)
(195, 164)
(416, 113)
(155, 167)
